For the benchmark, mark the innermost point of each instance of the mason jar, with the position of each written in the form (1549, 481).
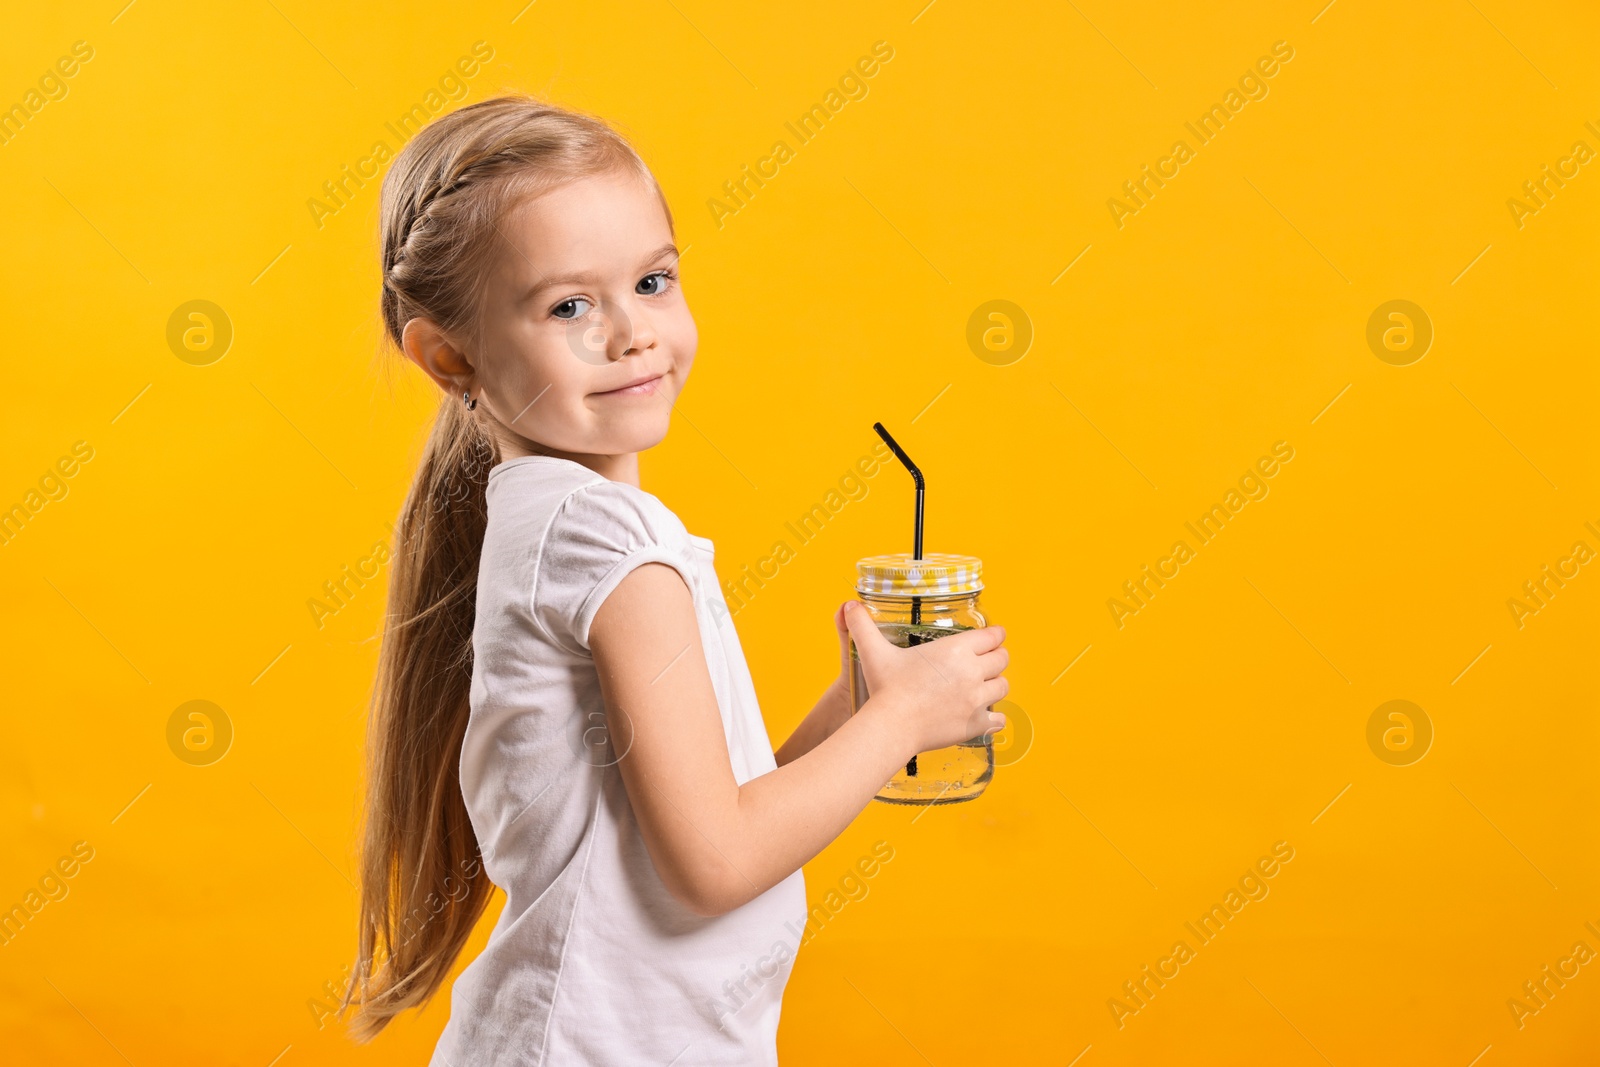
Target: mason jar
(914, 601)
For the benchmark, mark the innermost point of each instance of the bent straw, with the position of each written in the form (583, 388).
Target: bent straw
(916, 551)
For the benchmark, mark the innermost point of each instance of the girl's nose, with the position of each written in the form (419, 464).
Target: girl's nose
(633, 332)
(608, 332)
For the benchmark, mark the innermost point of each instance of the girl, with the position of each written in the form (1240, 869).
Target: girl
(562, 706)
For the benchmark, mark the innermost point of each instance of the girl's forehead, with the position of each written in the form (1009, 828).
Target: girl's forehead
(593, 227)
(596, 206)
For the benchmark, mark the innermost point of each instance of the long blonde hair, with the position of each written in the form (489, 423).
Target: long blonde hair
(423, 886)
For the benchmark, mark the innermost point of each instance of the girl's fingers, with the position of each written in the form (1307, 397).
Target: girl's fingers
(994, 690)
(984, 638)
(994, 663)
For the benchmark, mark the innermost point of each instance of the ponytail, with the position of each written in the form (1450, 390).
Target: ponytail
(423, 886)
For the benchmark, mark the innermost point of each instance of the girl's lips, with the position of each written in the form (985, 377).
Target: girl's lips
(644, 388)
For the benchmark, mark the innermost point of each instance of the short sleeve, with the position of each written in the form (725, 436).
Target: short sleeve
(599, 534)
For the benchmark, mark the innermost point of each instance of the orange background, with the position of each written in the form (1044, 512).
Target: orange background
(1228, 313)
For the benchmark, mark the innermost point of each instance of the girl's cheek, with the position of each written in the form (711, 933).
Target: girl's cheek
(689, 339)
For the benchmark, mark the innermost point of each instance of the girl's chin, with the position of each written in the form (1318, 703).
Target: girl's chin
(637, 432)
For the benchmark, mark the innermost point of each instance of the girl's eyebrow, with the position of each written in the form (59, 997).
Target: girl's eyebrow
(547, 282)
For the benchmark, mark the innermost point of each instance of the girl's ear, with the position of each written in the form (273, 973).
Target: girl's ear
(426, 346)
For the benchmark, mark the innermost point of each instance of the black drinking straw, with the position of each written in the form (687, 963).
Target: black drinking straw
(912, 638)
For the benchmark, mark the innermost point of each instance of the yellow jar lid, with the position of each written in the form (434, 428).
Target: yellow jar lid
(935, 574)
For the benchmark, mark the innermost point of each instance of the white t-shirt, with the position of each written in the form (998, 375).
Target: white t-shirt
(593, 961)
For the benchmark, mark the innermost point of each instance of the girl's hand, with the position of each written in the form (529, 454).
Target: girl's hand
(939, 692)
(843, 681)
(835, 703)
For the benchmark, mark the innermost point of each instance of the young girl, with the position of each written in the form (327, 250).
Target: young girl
(562, 708)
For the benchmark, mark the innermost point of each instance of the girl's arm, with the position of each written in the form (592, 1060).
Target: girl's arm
(717, 844)
(830, 711)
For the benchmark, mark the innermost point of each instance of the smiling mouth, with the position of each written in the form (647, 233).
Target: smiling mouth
(640, 388)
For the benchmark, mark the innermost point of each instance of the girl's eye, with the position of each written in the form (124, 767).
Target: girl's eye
(572, 303)
(663, 280)
(653, 284)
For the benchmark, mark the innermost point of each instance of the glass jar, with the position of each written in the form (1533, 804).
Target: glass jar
(913, 601)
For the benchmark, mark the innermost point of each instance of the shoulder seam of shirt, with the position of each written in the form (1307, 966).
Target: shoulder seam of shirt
(544, 537)
(538, 558)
